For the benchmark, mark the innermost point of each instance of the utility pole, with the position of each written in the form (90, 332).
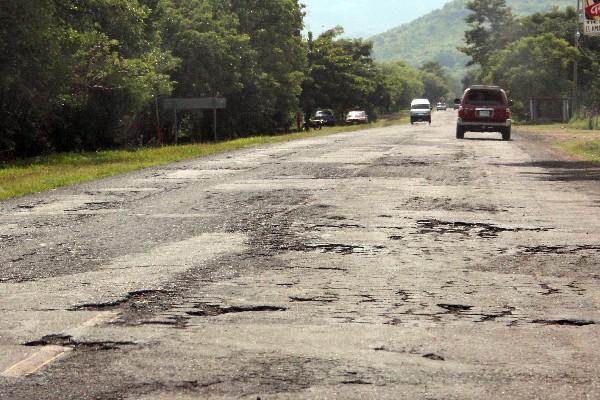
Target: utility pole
(575, 102)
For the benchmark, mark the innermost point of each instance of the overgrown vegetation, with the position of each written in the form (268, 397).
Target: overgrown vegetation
(531, 56)
(92, 75)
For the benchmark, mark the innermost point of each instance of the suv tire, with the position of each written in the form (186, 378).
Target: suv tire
(460, 132)
(506, 133)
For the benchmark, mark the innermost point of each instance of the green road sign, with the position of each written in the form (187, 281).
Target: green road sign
(200, 103)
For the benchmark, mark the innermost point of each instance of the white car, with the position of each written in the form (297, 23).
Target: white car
(420, 110)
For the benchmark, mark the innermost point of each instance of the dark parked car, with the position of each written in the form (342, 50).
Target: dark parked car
(323, 118)
(484, 109)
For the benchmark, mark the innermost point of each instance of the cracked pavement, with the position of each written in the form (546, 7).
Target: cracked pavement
(386, 263)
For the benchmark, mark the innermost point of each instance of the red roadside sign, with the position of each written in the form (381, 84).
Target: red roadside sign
(593, 11)
(591, 17)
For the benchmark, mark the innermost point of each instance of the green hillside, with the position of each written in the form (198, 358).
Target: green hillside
(436, 36)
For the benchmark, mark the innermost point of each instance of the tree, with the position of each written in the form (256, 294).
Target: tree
(436, 82)
(249, 51)
(80, 74)
(526, 67)
(31, 69)
(341, 73)
(272, 84)
(492, 26)
(561, 23)
(115, 69)
(397, 84)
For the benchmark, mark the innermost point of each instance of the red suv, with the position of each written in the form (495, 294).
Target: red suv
(484, 109)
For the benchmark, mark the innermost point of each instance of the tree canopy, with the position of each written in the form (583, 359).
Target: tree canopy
(90, 75)
(530, 56)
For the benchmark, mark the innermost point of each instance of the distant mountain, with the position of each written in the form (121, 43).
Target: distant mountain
(436, 36)
(364, 18)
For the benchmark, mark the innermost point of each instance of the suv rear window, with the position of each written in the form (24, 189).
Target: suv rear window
(421, 107)
(485, 97)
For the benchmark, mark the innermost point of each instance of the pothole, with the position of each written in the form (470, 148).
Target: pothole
(175, 321)
(137, 299)
(335, 226)
(213, 310)
(69, 341)
(483, 230)
(560, 249)
(403, 162)
(98, 205)
(455, 308)
(548, 290)
(337, 248)
(356, 382)
(313, 299)
(448, 204)
(564, 322)
(434, 357)
(494, 316)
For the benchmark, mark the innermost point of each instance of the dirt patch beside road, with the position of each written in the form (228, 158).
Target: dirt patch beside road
(554, 137)
(555, 150)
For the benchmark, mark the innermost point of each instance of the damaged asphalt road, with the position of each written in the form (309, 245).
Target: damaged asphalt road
(388, 263)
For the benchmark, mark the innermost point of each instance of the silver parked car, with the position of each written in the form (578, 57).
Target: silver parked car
(357, 117)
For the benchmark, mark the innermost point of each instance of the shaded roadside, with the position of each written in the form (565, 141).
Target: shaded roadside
(554, 159)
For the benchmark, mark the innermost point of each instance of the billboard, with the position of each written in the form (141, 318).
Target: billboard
(591, 17)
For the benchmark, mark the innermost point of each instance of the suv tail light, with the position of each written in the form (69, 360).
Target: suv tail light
(461, 112)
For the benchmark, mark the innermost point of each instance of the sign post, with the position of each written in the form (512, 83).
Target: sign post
(201, 103)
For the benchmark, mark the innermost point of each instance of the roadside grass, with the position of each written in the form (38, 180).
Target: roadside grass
(574, 124)
(573, 138)
(585, 124)
(588, 150)
(39, 174)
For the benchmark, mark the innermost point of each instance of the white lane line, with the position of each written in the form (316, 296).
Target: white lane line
(48, 354)
(36, 361)
(102, 318)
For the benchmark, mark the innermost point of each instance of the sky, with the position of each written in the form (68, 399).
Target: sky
(364, 18)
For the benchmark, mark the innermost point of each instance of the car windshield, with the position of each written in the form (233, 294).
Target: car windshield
(485, 97)
(323, 114)
(421, 107)
(356, 114)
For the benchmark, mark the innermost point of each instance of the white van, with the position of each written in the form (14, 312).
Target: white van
(420, 110)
